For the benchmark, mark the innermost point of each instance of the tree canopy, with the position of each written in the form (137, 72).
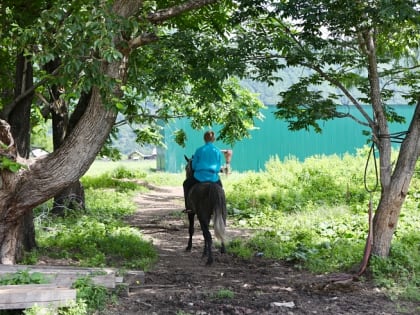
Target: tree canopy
(179, 65)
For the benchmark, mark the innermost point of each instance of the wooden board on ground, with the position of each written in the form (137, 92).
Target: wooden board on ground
(60, 280)
(56, 269)
(67, 275)
(58, 274)
(26, 296)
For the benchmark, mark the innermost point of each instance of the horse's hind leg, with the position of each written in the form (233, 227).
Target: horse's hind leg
(190, 230)
(223, 248)
(207, 242)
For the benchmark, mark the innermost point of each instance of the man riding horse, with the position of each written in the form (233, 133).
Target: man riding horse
(206, 164)
(204, 194)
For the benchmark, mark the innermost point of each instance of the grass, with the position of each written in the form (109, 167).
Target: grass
(306, 213)
(223, 294)
(315, 217)
(98, 237)
(144, 170)
(100, 167)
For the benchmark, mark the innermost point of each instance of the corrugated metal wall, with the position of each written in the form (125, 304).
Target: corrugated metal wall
(339, 136)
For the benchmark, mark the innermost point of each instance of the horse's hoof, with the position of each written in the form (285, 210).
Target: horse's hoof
(209, 262)
(188, 249)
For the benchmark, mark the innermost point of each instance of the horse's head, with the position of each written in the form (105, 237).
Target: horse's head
(189, 172)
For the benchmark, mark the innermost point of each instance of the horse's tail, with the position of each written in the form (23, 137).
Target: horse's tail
(217, 194)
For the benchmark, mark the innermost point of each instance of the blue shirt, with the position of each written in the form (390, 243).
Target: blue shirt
(206, 163)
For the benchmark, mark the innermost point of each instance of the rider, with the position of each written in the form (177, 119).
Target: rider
(206, 164)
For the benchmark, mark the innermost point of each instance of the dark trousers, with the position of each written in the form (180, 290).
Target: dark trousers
(188, 184)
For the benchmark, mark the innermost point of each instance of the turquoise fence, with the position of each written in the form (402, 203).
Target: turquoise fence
(272, 138)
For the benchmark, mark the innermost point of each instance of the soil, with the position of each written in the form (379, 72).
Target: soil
(181, 283)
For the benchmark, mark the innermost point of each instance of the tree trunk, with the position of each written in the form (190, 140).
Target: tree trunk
(69, 199)
(393, 195)
(72, 197)
(19, 120)
(46, 177)
(394, 183)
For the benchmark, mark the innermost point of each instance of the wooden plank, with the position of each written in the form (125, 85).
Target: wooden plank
(56, 269)
(26, 296)
(58, 293)
(67, 280)
(64, 275)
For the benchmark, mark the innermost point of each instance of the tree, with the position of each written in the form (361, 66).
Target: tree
(151, 61)
(368, 53)
(19, 117)
(154, 61)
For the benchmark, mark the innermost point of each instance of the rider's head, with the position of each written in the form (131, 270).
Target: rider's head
(209, 136)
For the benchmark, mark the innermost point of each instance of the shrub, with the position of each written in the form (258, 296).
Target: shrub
(315, 216)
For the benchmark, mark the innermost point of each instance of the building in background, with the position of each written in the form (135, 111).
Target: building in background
(272, 138)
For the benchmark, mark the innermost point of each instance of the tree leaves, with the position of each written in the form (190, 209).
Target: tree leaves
(185, 71)
(9, 164)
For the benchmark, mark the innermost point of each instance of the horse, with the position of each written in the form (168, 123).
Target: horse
(206, 199)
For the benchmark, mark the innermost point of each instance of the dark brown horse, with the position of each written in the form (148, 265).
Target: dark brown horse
(205, 200)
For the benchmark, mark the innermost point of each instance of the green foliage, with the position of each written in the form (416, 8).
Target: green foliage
(72, 308)
(122, 172)
(97, 237)
(223, 294)
(315, 217)
(23, 277)
(40, 131)
(94, 296)
(105, 181)
(100, 167)
(165, 179)
(401, 269)
(292, 186)
(98, 243)
(118, 179)
(188, 69)
(8, 164)
(107, 175)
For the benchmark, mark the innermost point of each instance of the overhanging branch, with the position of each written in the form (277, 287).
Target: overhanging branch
(4, 114)
(164, 15)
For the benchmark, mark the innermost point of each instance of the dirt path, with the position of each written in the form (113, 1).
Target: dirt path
(180, 283)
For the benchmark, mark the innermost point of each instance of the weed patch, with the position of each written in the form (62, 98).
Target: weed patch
(223, 294)
(315, 217)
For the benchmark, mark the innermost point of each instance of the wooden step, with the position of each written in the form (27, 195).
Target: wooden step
(65, 276)
(28, 295)
(60, 280)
